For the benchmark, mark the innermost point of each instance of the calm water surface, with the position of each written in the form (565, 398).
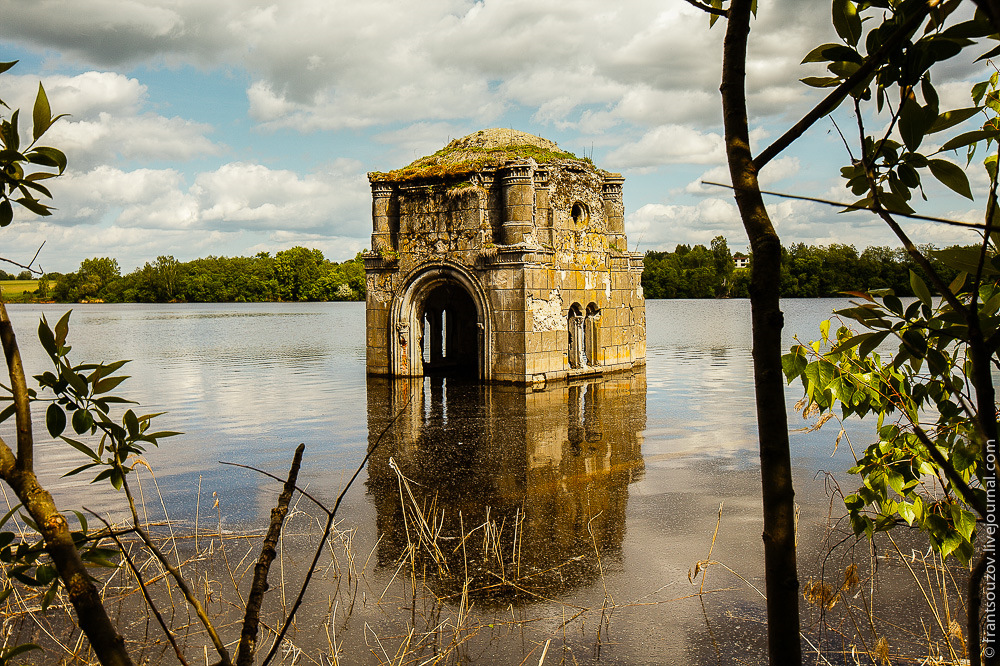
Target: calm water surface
(633, 469)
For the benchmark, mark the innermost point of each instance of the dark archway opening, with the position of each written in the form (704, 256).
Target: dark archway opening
(450, 338)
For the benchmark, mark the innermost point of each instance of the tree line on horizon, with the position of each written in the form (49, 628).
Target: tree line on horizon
(303, 274)
(296, 274)
(807, 271)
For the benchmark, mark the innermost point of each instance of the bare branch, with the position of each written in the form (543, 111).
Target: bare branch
(840, 204)
(142, 586)
(251, 619)
(37, 271)
(326, 533)
(279, 479)
(199, 610)
(708, 8)
(19, 391)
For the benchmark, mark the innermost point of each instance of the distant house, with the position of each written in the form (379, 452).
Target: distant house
(741, 260)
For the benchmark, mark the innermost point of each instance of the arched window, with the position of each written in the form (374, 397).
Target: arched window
(580, 213)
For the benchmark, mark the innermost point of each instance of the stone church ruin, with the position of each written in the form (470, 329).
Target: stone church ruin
(502, 258)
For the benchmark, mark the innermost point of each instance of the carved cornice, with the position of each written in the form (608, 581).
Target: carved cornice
(612, 186)
(517, 174)
(382, 189)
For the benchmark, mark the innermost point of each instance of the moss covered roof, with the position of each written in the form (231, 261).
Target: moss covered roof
(485, 149)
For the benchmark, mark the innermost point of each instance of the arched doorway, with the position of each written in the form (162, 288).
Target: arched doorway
(440, 324)
(450, 335)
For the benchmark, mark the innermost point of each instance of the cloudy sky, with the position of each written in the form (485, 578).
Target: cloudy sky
(232, 127)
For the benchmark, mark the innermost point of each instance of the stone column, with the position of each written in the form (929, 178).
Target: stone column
(381, 203)
(518, 204)
(614, 209)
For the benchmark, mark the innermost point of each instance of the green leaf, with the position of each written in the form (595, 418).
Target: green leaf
(846, 21)
(45, 156)
(82, 421)
(7, 412)
(105, 385)
(81, 468)
(55, 419)
(821, 81)
(920, 289)
(46, 338)
(793, 363)
(912, 123)
(951, 175)
(6, 213)
(951, 118)
(871, 343)
(4, 66)
(832, 52)
(989, 54)
(62, 329)
(965, 523)
(34, 206)
(41, 115)
(81, 447)
(969, 138)
(132, 423)
(717, 4)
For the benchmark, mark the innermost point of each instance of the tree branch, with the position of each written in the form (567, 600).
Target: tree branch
(199, 610)
(853, 207)
(708, 8)
(326, 532)
(833, 100)
(28, 267)
(251, 619)
(19, 391)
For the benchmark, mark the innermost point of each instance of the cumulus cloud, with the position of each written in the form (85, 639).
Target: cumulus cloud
(637, 79)
(107, 120)
(669, 144)
(663, 226)
(352, 65)
(235, 197)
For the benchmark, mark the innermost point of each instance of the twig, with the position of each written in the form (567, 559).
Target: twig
(718, 11)
(28, 267)
(220, 647)
(142, 587)
(326, 532)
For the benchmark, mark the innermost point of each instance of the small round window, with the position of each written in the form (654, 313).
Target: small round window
(580, 214)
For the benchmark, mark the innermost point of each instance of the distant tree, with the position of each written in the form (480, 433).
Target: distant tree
(296, 271)
(95, 275)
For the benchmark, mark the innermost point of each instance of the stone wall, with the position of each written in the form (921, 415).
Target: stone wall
(544, 246)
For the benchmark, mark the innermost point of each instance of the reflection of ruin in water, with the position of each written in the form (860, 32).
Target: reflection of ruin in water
(548, 470)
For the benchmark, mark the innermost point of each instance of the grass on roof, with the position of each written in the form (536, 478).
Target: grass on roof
(455, 160)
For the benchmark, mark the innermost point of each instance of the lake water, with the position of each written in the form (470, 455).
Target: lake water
(601, 490)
